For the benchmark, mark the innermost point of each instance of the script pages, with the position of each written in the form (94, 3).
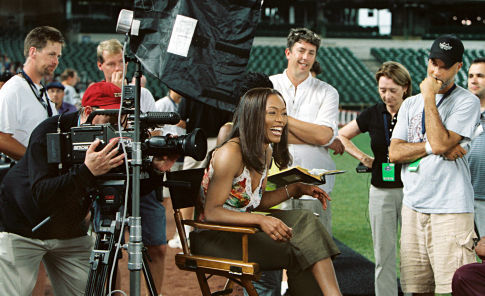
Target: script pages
(299, 174)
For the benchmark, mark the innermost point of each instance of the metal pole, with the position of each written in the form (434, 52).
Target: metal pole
(135, 243)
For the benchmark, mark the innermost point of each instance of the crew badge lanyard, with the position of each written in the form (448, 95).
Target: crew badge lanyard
(414, 165)
(388, 168)
(44, 103)
(173, 103)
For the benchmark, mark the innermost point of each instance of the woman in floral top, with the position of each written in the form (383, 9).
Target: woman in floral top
(234, 186)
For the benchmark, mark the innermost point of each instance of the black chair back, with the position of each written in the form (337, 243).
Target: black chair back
(184, 187)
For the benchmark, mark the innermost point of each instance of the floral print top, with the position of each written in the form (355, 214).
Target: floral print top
(241, 198)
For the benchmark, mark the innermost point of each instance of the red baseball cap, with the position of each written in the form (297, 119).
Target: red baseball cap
(103, 95)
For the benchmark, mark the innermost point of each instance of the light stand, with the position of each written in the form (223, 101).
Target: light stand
(126, 24)
(135, 243)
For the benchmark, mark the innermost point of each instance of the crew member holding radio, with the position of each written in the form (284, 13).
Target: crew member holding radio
(34, 190)
(385, 194)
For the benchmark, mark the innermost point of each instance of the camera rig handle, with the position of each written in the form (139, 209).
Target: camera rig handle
(150, 118)
(89, 120)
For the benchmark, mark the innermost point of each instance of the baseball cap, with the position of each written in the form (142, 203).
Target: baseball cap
(103, 94)
(55, 84)
(447, 48)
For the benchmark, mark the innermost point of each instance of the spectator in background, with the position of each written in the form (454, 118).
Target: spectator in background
(55, 90)
(385, 194)
(7, 64)
(152, 212)
(312, 115)
(69, 78)
(110, 62)
(316, 69)
(437, 214)
(4, 77)
(476, 157)
(143, 81)
(170, 103)
(24, 102)
(16, 67)
(48, 78)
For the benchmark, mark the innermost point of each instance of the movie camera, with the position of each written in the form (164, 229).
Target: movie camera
(70, 147)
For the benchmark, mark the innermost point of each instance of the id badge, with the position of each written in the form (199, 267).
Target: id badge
(388, 172)
(413, 166)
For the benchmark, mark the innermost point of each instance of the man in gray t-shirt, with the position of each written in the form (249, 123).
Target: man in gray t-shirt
(437, 217)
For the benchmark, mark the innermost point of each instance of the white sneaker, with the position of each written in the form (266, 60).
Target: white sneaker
(175, 243)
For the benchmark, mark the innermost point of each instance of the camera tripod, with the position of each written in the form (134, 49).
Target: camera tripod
(103, 257)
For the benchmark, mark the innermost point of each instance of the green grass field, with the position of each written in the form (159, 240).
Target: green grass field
(350, 200)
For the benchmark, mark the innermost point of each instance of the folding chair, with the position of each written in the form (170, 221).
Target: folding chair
(184, 191)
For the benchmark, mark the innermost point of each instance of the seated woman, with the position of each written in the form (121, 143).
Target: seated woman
(234, 186)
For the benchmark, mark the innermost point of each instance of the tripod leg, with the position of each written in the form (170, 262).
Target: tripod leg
(95, 270)
(148, 275)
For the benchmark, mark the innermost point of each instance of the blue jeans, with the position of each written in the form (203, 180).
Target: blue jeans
(269, 284)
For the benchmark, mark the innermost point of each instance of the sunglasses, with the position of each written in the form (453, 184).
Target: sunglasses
(303, 32)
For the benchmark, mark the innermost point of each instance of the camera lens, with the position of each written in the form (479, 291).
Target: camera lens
(193, 145)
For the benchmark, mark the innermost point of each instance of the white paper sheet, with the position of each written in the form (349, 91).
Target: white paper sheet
(182, 34)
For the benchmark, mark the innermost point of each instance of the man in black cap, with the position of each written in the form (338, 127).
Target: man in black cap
(437, 216)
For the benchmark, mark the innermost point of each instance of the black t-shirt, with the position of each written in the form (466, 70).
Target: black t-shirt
(372, 120)
(199, 115)
(33, 190)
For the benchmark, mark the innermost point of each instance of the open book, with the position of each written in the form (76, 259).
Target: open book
(299, 174)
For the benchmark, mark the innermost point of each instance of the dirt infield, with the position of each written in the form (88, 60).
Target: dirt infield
(176, 282)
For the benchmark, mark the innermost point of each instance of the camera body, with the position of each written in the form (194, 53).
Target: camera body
(70, 147)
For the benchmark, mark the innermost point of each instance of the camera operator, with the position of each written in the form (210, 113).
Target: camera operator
(34, 190)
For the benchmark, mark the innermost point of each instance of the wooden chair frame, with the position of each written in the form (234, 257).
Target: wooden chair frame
(241, 272)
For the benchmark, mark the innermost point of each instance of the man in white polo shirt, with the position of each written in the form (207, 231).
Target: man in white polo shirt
(23, 100)
(312, 107)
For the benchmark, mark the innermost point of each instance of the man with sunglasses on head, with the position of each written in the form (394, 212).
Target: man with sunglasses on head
(312, 107)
